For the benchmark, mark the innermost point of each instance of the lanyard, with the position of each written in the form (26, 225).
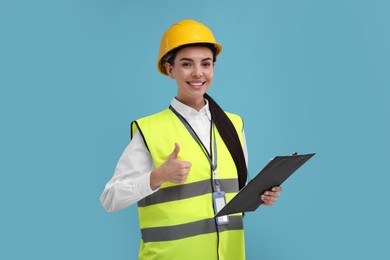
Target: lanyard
(197, 139)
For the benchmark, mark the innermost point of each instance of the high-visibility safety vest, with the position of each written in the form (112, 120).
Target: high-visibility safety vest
(177, 221)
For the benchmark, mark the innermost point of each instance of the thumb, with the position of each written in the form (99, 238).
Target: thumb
(175, 152)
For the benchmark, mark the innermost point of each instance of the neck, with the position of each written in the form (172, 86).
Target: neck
(197, 104)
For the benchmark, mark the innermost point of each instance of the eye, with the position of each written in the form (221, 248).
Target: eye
(206, 64)
(186, 64)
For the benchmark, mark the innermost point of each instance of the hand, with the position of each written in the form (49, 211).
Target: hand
(172, 170)
(269, 197)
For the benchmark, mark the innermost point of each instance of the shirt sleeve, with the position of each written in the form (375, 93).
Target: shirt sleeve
(131, 180)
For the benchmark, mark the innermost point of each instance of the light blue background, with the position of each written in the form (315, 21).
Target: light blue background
(307, 76)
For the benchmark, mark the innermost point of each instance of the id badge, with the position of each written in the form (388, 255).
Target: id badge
(219, 200)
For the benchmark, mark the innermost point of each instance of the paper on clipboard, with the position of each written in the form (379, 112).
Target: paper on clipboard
(273, 174)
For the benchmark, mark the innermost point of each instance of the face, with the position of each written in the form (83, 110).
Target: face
(193, 71)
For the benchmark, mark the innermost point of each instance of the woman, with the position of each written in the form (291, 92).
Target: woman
(183, 160)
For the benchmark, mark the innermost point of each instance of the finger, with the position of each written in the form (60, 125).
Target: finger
(175, 152)
(183, 178)
(271, 194)
(268, 200)
(277, 188)
(268, 203)
(187, 165)
(264, 200)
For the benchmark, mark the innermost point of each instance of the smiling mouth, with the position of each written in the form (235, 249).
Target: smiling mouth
(196, 84)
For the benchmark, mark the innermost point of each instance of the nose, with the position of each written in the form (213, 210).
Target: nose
(197, 71)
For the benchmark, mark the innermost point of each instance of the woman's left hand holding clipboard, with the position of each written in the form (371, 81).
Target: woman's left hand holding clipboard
(269, 197)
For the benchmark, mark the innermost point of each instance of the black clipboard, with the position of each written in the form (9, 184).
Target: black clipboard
(273, 174)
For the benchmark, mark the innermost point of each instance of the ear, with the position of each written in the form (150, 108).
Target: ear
(168, 68)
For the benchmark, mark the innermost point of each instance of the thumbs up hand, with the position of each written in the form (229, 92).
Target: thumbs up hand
(172, 170)
(175, 152)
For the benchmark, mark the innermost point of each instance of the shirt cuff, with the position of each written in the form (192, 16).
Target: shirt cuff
(144, 185)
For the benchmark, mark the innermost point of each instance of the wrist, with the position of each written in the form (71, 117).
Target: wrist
(155, 179)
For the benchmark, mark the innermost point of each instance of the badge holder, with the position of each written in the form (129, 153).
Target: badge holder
(219, 200)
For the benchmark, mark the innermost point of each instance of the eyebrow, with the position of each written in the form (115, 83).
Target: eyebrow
(188, 59)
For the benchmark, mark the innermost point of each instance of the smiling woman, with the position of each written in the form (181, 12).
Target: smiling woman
(177, 191)
(194, 73)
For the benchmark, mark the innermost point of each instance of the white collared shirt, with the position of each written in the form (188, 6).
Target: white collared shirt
(131, 180)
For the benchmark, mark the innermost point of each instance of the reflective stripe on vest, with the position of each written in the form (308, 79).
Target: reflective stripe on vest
(191, 190)
(204, 226)
(178, 219)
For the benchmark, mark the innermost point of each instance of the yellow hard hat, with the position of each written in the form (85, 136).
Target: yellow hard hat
(182, 33)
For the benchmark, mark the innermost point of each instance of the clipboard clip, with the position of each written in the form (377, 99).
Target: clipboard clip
(295, 154)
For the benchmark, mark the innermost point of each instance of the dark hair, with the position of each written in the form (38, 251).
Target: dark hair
(229, 135)
(171, 55)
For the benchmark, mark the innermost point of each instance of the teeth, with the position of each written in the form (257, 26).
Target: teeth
(196, 84)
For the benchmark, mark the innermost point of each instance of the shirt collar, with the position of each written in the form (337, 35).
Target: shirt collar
(188, 112)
